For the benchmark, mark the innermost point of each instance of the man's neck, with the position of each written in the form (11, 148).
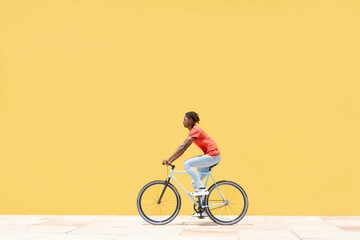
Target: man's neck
(191, 127)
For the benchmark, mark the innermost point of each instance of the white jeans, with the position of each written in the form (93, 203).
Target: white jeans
(203, 162)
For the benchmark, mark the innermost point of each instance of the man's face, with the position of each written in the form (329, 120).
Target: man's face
(187, 122)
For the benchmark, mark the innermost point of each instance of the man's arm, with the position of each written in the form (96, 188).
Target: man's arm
(179, 151)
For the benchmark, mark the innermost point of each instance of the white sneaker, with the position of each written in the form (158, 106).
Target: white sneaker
(200, 192)
(198, 214)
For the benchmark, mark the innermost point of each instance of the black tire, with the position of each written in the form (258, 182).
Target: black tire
(158, 213)
(236, 207)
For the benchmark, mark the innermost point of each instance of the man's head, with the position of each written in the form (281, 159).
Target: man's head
(190, 119)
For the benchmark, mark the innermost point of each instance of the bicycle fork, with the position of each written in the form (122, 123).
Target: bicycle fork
(163, 191)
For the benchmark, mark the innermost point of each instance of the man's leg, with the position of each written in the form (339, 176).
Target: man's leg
(201, 161)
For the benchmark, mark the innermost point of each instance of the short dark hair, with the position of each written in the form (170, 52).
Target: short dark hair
(194, 116)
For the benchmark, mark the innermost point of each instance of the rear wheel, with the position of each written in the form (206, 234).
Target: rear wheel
(229, 200)
(158, 212)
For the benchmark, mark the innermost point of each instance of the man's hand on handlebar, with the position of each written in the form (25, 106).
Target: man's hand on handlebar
(166, 162)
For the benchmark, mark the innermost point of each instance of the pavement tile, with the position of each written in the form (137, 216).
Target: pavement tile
(145, 230)
(210, 232)
(21, 220)
(266, 235)
(351, 218)
(347, 225)
(49, 236)
(36, 229)
(207, 237)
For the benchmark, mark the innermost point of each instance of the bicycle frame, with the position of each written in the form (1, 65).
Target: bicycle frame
(208, 173)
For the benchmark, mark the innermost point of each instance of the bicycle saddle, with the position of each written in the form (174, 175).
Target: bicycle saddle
(212, 166)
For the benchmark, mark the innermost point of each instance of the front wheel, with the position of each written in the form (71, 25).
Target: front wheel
(227, 203)
(156, 211)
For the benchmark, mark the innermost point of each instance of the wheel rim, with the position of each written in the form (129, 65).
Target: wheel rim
(155, 211)
(235, 207)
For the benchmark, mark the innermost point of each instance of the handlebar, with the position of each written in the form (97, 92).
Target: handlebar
(172, 166)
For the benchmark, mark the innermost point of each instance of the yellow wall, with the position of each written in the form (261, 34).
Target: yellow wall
(92, 96)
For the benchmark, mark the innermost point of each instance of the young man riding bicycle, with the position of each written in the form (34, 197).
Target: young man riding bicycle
(210, 158)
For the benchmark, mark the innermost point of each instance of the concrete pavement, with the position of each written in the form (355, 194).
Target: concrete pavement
(112, 227)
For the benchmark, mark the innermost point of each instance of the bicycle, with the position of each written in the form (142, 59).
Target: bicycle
(159, 201)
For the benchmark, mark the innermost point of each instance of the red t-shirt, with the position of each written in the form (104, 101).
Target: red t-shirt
(204, 141)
